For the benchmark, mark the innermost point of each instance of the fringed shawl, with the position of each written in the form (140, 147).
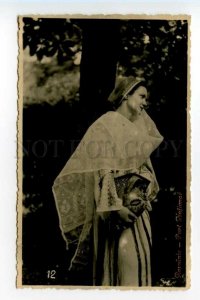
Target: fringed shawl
(112, 142)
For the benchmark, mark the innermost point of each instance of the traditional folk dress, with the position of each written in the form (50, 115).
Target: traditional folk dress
(110, 168)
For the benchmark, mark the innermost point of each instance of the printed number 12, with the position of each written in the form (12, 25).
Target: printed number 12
(51, 274)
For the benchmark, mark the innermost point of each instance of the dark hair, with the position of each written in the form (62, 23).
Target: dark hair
(124, 86)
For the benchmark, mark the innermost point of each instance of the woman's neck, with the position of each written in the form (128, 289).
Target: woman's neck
(123, 110)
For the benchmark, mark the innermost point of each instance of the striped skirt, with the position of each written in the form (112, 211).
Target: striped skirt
(124, 260)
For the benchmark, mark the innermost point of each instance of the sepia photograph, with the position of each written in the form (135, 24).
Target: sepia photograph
(103, 151)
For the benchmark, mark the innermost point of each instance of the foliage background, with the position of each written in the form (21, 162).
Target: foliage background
(53, 118)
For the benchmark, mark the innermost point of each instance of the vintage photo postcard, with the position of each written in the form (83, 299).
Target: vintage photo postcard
(104, 151)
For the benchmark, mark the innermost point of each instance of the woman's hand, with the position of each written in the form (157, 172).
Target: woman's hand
(126, 215)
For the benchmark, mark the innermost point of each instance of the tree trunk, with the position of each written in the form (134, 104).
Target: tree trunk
(101, 41)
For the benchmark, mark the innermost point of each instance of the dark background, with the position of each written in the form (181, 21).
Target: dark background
(70, 67)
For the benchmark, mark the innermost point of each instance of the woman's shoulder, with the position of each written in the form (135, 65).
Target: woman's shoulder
(107, 116)
(105, 124)
(105, 119)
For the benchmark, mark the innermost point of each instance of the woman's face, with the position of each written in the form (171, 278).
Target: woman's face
(136, 102)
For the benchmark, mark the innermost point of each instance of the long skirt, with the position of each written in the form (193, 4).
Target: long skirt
(123, 258)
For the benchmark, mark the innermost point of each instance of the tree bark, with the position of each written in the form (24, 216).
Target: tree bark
(100, 51)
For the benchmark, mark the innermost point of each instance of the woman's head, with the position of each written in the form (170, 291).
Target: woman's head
(132, 91)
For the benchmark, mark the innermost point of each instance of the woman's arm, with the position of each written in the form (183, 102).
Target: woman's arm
(147, 171)
(107, 200)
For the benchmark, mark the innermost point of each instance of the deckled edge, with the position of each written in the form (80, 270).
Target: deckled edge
(20, 149)
(19, 155)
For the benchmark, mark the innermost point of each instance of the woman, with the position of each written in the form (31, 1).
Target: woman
(104, 192)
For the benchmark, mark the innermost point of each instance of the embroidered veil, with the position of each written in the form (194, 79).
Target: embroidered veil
(111, 143)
